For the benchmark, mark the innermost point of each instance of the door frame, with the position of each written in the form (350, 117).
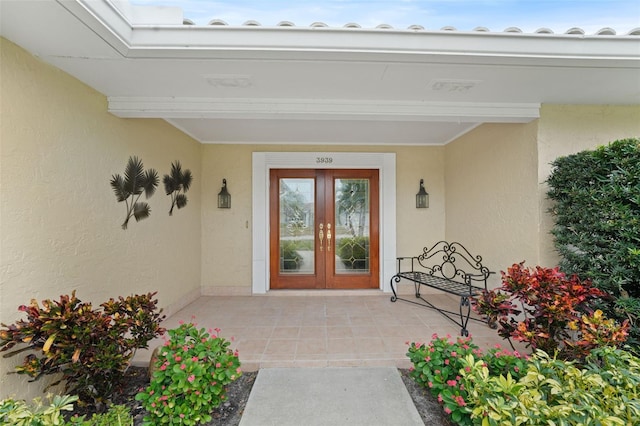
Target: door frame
(263, 162)
(325, 273)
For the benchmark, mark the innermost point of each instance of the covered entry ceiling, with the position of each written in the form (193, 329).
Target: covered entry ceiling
(319, 85)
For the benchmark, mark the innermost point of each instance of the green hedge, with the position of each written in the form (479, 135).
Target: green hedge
(597, 223)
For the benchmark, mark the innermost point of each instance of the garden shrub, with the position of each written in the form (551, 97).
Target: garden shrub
(438, 365)
(596, 196)
(116, 415)
(190, 377)
(605, 390)
(90, 347)
(504, 388)
(558, 312)
(19, 413)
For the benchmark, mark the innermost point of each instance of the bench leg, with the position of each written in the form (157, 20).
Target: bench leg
(465, 312)
(464, 308)
(397, 280)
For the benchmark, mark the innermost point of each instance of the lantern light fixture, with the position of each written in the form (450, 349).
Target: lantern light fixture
(422, 197)
(224, 198)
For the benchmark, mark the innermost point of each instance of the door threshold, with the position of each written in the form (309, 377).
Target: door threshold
(326, 292)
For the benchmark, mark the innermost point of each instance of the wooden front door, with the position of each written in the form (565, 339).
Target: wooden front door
(324, 229)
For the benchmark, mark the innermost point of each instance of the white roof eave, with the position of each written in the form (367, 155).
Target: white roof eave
(262, 84)
(257, 42)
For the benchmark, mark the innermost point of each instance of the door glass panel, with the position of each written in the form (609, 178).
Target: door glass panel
(297, 242)
(352, 225)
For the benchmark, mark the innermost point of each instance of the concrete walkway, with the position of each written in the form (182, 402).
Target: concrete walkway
(337, 396)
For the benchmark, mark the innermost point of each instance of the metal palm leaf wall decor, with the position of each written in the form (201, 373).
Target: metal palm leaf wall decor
(129, 188)
(176, 184)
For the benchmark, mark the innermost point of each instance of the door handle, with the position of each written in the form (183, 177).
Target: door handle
(321, 235)
(328, 237)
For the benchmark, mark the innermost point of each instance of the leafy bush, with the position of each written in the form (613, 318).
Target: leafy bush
(116, 415)
(18, 413)
(603, 391)
(558, 314)
(90, 347)
(494, 305)
(438, 366)
(504, 388)
(597, 223)
(192, 371)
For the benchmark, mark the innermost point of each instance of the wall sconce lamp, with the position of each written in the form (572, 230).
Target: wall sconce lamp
(422, 197)
(224, 198)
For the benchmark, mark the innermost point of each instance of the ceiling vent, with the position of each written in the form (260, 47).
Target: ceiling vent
(229, 81)
(460, 86)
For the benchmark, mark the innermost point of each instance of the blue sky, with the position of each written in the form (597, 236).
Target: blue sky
(465, 15)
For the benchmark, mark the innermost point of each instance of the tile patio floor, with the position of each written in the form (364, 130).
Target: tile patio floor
(323, 328)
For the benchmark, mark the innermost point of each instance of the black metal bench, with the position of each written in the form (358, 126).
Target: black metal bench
(448, 267)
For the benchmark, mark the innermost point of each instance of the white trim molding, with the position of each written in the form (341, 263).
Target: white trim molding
(263, 162)
(322, 109)
(158, 32)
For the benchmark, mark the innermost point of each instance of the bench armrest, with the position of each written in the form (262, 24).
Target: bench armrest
(400, 259)
(479, 277)
(482, 278)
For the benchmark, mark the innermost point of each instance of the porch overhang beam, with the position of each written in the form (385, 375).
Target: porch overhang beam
(209, 108)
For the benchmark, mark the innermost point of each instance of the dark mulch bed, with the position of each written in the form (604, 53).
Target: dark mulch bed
(428, 407)
(230, 412)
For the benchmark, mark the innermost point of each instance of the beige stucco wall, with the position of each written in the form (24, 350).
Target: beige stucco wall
(495, 179)
(567, 129)
(226, 234)
(59, 220)
(491, 194)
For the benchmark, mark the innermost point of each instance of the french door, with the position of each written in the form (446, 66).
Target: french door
(324, 229)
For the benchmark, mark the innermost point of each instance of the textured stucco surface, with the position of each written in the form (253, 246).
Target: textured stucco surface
(415, 228)
(59, 220)
(567, 129)
(491, 194)
(495, 179)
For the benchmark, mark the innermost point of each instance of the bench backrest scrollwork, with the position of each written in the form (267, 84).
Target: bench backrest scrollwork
(451, 260)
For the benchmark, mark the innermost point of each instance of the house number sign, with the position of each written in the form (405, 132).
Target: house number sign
(324, 160)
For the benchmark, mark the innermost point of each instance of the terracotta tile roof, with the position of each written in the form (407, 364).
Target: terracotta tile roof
(606, 31)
